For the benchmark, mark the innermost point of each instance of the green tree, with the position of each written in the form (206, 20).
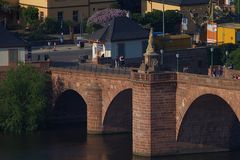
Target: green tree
(23, 102)
(4, 7)
(236, 4)
(29, 16)
(155, 19)
(220, 57)
(234, 59)
(71, 25)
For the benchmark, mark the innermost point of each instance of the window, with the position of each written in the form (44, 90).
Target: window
(13, 55)
(75, 16)
(60, 16)
(41, 16)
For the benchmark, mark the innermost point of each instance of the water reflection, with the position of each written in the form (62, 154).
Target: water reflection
(72, 144)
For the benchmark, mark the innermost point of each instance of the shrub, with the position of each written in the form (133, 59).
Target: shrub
(23, 102)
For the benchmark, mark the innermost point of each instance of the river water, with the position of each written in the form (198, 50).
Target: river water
(73, 144)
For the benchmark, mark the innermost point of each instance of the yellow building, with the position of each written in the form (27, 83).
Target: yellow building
(196, 7)
(150, 5)
(13, 2)
(228, 33)
(67, 9)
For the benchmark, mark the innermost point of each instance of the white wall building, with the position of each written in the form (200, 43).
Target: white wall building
(122, 37)
(12, 49)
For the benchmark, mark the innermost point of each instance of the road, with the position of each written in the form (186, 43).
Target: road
(68, 53)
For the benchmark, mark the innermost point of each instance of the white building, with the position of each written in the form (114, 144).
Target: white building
(12, 49)
(122, 37)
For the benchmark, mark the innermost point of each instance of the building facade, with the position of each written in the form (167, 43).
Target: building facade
(228, 33)
(12, 49)
(187, 7)
(115, 39)
(72, 10)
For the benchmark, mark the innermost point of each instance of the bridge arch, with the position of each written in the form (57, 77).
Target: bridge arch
(118, 117)
(211, 121)
(70, 108)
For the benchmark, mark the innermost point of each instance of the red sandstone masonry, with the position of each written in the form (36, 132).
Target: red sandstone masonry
(82, 82)
(160, 102)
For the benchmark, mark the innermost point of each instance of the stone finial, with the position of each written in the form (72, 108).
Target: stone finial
(150, 48)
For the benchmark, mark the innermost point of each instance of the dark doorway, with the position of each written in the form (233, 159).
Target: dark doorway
(121, 49)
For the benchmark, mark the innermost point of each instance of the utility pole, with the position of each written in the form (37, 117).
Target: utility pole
(81, 27)
(238, 10)
(212, 11)
(163, 19)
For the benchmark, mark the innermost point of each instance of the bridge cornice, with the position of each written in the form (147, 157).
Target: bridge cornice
(89, 74)
(207, 81)
(186, 78)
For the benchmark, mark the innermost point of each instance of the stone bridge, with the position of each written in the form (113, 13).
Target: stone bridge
(167, 112)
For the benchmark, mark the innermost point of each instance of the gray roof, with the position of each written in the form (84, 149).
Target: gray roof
(183, 2)
(120, 29)
(8, 40)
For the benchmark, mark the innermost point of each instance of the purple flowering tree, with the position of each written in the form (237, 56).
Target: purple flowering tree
(103, 17)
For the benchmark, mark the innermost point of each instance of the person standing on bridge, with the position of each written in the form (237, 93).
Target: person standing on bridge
(116, 62)
(122, 61)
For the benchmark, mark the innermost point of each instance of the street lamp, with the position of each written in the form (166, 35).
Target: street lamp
(161, 51)
(211, 49)
(226, 53)
(177, 56)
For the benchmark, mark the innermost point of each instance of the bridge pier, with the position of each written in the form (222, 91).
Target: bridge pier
(94, 111)
(154, 122)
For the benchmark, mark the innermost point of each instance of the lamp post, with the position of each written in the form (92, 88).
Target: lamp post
(177, 56)
(161, 51)
(49, 47)
(211, 49)
(226, 53)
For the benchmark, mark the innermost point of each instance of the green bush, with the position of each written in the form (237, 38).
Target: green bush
(23, 100)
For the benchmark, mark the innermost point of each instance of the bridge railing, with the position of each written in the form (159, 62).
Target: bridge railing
(122, 71)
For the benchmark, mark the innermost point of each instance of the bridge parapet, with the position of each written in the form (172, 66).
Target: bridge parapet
(96, 69)
(208, 81)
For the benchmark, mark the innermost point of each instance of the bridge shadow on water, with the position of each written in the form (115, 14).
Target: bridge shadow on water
(202, 156)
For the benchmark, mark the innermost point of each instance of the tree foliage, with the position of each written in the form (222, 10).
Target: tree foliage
(29, 16)
(103, 17)
(220, 57)
(237, 5)
(23, 102)
(155, 19)
(234, 59)
(7, 9)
